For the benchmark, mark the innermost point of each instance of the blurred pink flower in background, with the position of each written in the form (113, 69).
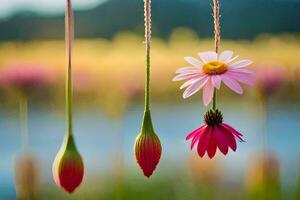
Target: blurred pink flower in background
(269, 78)
(25, 77)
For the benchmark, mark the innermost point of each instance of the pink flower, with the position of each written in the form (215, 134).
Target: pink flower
(24, 77)
(210, 71)
(214, 134)
(269, 78)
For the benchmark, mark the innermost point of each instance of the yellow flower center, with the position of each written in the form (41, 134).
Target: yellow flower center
(214, 67)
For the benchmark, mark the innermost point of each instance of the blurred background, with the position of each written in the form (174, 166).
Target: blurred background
(108, 99)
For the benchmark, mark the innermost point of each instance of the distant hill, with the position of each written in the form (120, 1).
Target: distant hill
(240, 19)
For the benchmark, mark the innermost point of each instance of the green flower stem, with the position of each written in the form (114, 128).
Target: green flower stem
(69, 43)
(147, 127)
(216, 14)
(23, 106)
(214, 105)
(147, 7)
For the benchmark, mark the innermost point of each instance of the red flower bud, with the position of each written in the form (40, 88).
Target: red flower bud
(68, 169)
(147, 147)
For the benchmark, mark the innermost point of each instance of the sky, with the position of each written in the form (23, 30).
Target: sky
(8, 7)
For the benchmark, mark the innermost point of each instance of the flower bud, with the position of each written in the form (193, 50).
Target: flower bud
(68, 169)
(147, 147)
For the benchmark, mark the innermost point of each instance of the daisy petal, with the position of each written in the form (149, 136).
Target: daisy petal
(232, 59)
(225, 56)
(192, 81)
(208, 56)
(243, 78)
(232, 84)
(243, 71)
(216, 81)
(193, 61)
(187, 70)
(208, 92)
(192, 89)
(240, 64)
(181, 77)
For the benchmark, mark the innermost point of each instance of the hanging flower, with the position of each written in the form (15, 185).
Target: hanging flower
(214, 134)
(147, 147)
(68, 169)
(210, 71)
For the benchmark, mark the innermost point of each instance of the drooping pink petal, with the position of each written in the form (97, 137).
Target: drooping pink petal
(187, 70)
(240, 64)
(203, 142)
(212, 147)
(232, 84)
(195, 132)
(221, 140)
(208, 92)
(216, 81)
(234, 132)
(243, 78)
(225, 56)
(193, 61)
(192, 89)
(229, 136)
(195, 140)
(208, 56)
(185, 76)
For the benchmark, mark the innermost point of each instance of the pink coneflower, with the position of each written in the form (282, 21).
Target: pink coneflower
(214, 134)
(210, 71)
(24, 76)
(269, 78)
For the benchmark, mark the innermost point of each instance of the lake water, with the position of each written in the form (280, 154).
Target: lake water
(99, 138)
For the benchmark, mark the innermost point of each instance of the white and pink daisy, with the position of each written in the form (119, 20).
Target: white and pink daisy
(210, 71)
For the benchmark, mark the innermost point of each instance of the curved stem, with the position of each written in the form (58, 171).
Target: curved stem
(216, 14)
(23, 106)
(147, 7)
(69, 43)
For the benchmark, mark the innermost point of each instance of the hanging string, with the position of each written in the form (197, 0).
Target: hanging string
(147, 10)
(216, 15)
(69, 26)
